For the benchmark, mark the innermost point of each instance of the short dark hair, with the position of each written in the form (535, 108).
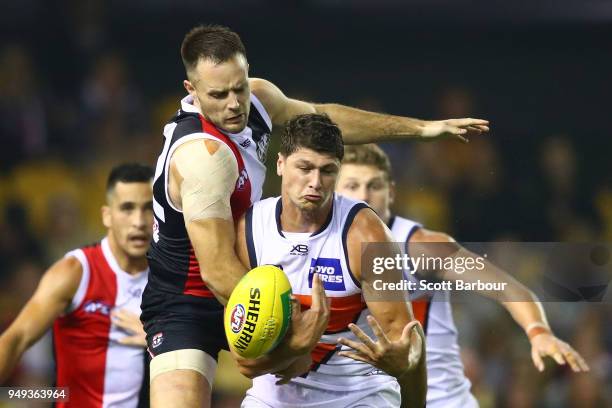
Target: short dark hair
(368, 155)
(129, 173)
(312, 131)
(214, 42)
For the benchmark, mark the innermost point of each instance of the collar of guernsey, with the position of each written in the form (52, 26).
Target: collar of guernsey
(252, 145)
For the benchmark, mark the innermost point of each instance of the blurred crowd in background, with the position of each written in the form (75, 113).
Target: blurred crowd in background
(85, 85)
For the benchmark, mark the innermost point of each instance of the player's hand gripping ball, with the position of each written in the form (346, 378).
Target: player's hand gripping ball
(258, 312)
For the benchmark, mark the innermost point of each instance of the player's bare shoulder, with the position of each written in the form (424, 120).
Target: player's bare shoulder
(368, 227)
(62, 279)
(268, 94)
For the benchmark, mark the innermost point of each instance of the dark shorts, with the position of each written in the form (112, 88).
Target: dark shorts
(185, 325)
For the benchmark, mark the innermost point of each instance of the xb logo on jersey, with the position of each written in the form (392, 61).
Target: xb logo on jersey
(329, 270)
(299, 249)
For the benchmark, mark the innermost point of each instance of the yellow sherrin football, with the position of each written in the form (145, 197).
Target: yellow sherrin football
(258, 312)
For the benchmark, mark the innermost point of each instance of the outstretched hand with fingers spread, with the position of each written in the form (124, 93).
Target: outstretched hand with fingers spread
(547, 345)
(396, 358)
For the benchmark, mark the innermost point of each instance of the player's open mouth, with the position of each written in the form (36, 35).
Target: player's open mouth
(139, 240)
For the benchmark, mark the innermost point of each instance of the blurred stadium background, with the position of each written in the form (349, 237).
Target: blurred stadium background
(86, 84)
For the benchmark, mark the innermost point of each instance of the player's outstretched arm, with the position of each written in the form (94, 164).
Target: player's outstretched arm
(203, 175)
(359, 126)
(399, 349)
(52, 297)
(520, 302)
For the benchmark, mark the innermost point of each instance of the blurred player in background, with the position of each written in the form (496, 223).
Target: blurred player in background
(210, 170)
(92, 298)
(366, 175)
(309, 229)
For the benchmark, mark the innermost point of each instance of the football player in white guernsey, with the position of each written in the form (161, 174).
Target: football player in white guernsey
(314, 234)
(199, 175)
(366, 175)
(91, 298)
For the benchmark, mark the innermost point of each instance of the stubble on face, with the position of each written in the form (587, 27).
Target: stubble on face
(223, 94)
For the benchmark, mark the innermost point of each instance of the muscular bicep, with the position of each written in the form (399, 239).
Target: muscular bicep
(204, 174)
(390, 307)
(279, 107)
(51, 298)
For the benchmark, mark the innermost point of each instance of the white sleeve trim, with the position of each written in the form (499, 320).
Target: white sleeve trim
(263, 112)
(78, 297)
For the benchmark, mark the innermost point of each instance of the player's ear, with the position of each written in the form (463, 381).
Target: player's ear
(391, 192)
(280, 164)
(189, 87)
(106, 216)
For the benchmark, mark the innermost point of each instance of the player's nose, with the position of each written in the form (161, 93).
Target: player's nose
(362, 194)
(139, 219)
(234, 103)
(315, 179)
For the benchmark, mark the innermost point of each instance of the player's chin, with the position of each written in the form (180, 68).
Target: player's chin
(234, 126)
(138, 250)
(306, 205)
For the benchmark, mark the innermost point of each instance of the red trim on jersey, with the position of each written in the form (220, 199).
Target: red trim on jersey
(321, 354)
(241, 197)
(81, 337)
(194, 285)
(240, 201)
(343, 310)
(420, 308)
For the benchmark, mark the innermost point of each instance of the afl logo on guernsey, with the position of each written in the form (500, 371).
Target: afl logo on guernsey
(95, 306)
(329, 271)
(237, 318)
